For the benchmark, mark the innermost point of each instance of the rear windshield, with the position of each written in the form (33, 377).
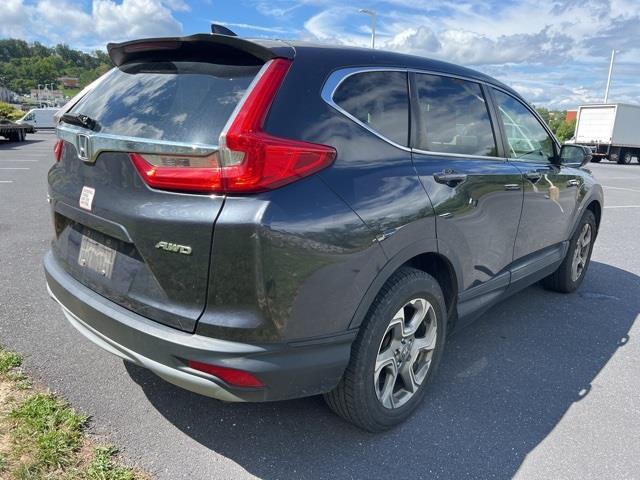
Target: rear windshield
(187, 102)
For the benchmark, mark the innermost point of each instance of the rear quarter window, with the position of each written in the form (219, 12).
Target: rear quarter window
(379, 100)
(185, 102)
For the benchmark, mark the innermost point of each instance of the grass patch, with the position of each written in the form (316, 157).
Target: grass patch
(9, 361)
(43, 437)
(103, 466)
(47, 432)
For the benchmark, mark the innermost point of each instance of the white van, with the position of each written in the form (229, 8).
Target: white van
(40, 117)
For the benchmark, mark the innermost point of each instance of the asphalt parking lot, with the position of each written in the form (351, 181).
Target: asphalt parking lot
(544, 385)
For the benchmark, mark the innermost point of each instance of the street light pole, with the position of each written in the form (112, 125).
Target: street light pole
(606, 92)
(374, 17)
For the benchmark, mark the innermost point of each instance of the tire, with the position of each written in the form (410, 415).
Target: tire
(625, 157)
(361, 397)
(596, 159)
(567, 278)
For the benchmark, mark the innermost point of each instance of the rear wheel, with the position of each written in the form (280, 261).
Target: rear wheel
(596, 159)
(625, 157)
(569, 275)
(395, 355)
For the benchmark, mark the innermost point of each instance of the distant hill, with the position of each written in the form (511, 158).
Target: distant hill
(25, 65)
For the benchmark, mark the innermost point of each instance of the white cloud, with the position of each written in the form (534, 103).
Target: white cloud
(14, 21)
(258, 28)
(108, 20)
(132, 19)
(471, 48)
(559, 48)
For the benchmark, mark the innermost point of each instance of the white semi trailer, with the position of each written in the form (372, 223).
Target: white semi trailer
(612, 131)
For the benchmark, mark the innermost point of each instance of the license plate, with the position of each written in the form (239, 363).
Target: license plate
(96, 257)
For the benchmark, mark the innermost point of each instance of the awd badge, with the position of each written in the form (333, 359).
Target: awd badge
(174, 247)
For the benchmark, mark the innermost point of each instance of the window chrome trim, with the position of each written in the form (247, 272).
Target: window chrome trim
(104, 142)
(457, 155)
(336, 78)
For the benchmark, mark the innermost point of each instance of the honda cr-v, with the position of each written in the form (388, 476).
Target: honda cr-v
(260, 220)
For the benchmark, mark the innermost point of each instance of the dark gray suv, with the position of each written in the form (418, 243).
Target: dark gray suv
(260, 220)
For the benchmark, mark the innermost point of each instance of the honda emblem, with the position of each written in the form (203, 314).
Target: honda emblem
(84, 147)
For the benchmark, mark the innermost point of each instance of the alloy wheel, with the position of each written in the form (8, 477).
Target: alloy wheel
(405, 353)
(581, 253)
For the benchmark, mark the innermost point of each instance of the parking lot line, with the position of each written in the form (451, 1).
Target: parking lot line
(622, 206)
(6, 181)
(15, 168)
(620, 188)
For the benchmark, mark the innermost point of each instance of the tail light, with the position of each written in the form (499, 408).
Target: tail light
(249, 160)
(232, 376)
(57, 149)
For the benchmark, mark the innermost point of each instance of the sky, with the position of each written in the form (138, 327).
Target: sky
(554, 52)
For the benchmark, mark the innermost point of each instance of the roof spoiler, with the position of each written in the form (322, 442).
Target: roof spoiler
(224, 48)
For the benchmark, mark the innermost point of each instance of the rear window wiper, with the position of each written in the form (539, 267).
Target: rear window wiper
(80, 120)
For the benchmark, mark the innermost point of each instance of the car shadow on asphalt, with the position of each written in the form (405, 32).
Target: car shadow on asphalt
(503, 385)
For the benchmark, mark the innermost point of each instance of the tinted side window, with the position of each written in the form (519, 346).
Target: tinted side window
(380, 100)
(528, 140)
(453, 117)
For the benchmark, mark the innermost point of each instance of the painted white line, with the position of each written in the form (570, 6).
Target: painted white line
(6, 181)
(622, 206)
(21, 160)
(620, 188)
(15, 168)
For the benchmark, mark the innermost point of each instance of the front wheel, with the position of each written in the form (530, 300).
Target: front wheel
(569, 275)
(395, 354)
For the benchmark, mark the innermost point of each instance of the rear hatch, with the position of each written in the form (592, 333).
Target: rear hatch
(147, 249)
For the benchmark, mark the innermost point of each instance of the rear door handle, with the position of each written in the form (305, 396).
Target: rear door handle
(512, 186)
(573, 183)
(533, 176)
(450, 178)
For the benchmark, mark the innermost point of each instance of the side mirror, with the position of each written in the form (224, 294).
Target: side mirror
(575, 155)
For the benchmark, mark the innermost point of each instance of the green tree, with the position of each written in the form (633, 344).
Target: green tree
(7, 111)
(544, 113)
(23, 66)
(566, 130)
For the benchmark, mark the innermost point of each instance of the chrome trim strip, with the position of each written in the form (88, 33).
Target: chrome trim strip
(457, 155)
(104, 142)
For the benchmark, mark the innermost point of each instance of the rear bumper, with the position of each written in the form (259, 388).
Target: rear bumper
(287, 370)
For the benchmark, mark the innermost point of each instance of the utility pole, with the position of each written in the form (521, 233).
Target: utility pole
(606, 92)
(374, 17)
